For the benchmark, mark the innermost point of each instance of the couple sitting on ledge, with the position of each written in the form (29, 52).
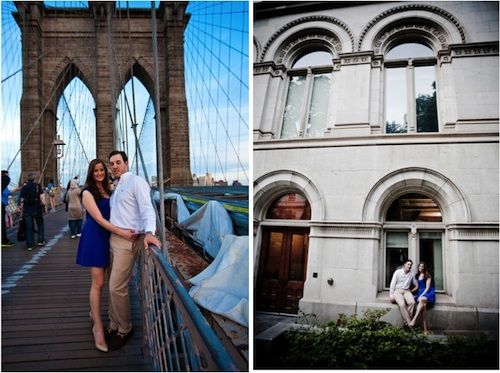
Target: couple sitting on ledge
(401, 294)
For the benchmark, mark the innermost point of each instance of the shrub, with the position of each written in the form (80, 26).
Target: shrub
(368, 342)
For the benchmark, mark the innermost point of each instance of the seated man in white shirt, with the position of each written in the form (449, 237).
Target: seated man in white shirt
(131, 208)
(399, 291)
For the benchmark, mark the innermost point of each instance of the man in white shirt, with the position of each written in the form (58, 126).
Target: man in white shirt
(399, 291)
(131, 208)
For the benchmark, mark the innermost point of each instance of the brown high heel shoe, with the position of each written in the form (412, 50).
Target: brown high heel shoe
(99, 335)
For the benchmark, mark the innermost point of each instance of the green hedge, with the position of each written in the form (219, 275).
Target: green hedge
(367, 342)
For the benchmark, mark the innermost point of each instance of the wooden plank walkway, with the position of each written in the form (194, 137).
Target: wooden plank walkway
(45, 310)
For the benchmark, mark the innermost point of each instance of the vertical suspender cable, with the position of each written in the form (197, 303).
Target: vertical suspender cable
(158, 132)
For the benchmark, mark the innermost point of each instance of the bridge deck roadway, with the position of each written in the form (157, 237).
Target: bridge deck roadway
(45, 309)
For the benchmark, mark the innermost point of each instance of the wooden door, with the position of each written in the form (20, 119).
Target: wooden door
(282, 269)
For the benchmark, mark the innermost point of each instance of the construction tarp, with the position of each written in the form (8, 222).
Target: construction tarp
(222, 287)
(182, 210)
(208, 225)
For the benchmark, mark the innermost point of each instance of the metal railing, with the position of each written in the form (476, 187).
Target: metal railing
(176, 335)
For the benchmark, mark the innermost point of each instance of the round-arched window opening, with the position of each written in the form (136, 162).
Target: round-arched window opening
(414, 207)
(291, 206)
(409, 50)
(316, 58)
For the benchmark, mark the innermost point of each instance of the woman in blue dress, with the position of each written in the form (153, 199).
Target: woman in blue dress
(425, 295)
(93, 248)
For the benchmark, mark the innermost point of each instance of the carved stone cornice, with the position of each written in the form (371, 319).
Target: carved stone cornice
(410, 7)
(474, 49)
(302, 20)
(325, 229)
(473, 232)
(356, 58)
(260, 68)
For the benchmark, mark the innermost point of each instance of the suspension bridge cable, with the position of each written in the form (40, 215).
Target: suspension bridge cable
(225, 128)
(225, 92)
(76, 129)
(37, 120)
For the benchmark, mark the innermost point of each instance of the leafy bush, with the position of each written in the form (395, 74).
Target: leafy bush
(368, 342)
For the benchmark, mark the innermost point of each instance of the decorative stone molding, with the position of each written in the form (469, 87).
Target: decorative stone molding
(269, 68)
(269, 186)
(258, 48)
(410, 7)
(442, 190)
(434, 30)
(302, 20)
(473, 232)
(330, 40)
(356, 58)
(325, 229)
(474, 50)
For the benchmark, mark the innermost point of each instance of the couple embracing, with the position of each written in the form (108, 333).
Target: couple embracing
(118, 225)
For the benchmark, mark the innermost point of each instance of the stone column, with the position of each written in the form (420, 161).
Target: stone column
(29, 20)
(175, 124)
(105, 94)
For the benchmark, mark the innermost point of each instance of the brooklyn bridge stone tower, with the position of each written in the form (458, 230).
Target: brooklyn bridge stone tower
(104, 47)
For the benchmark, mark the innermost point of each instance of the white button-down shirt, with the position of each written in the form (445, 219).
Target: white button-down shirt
(131, 206)
(401, 280)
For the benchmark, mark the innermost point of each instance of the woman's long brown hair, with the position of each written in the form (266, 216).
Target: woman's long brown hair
(90, 183)
(426, 273)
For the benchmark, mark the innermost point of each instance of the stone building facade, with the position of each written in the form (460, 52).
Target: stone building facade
(376, 139)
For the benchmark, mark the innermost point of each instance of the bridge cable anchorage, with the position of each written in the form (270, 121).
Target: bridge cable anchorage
(159, 147)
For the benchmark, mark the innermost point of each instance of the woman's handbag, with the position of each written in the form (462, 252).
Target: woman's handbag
(21, 230)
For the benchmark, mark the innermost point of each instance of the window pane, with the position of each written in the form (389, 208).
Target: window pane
(319, 105)
(314, 59)
(431, 252)
(425, 93)
(414, 207)
(293, 108)
(395, 103)
(396, 250)
(297, 257)
(290, 206)
(409, 50)
(273, 260)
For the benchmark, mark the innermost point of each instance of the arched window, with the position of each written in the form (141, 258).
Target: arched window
(413, 229)
(410, 104)
(306, 105)
(292, 206)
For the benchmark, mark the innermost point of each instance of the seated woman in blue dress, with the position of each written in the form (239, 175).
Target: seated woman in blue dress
(425, 294)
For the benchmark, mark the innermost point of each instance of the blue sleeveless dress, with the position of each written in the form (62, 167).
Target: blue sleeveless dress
(430, 295)
(93, 248)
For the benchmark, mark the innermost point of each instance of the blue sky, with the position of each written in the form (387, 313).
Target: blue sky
(216, 62)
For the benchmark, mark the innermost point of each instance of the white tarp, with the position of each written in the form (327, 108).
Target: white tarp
(222, 287)
(182, 210)
(208, 225)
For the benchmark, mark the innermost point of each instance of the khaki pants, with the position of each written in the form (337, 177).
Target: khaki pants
(403, 297)
(122, 258)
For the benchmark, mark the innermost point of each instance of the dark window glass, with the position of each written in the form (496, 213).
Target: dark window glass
(297, 257)
(396, 247)
(425, 93)
(273, 264)
(414, 207)
(291, 206)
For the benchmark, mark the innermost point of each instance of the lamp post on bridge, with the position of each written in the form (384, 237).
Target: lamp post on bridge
(58, 145)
